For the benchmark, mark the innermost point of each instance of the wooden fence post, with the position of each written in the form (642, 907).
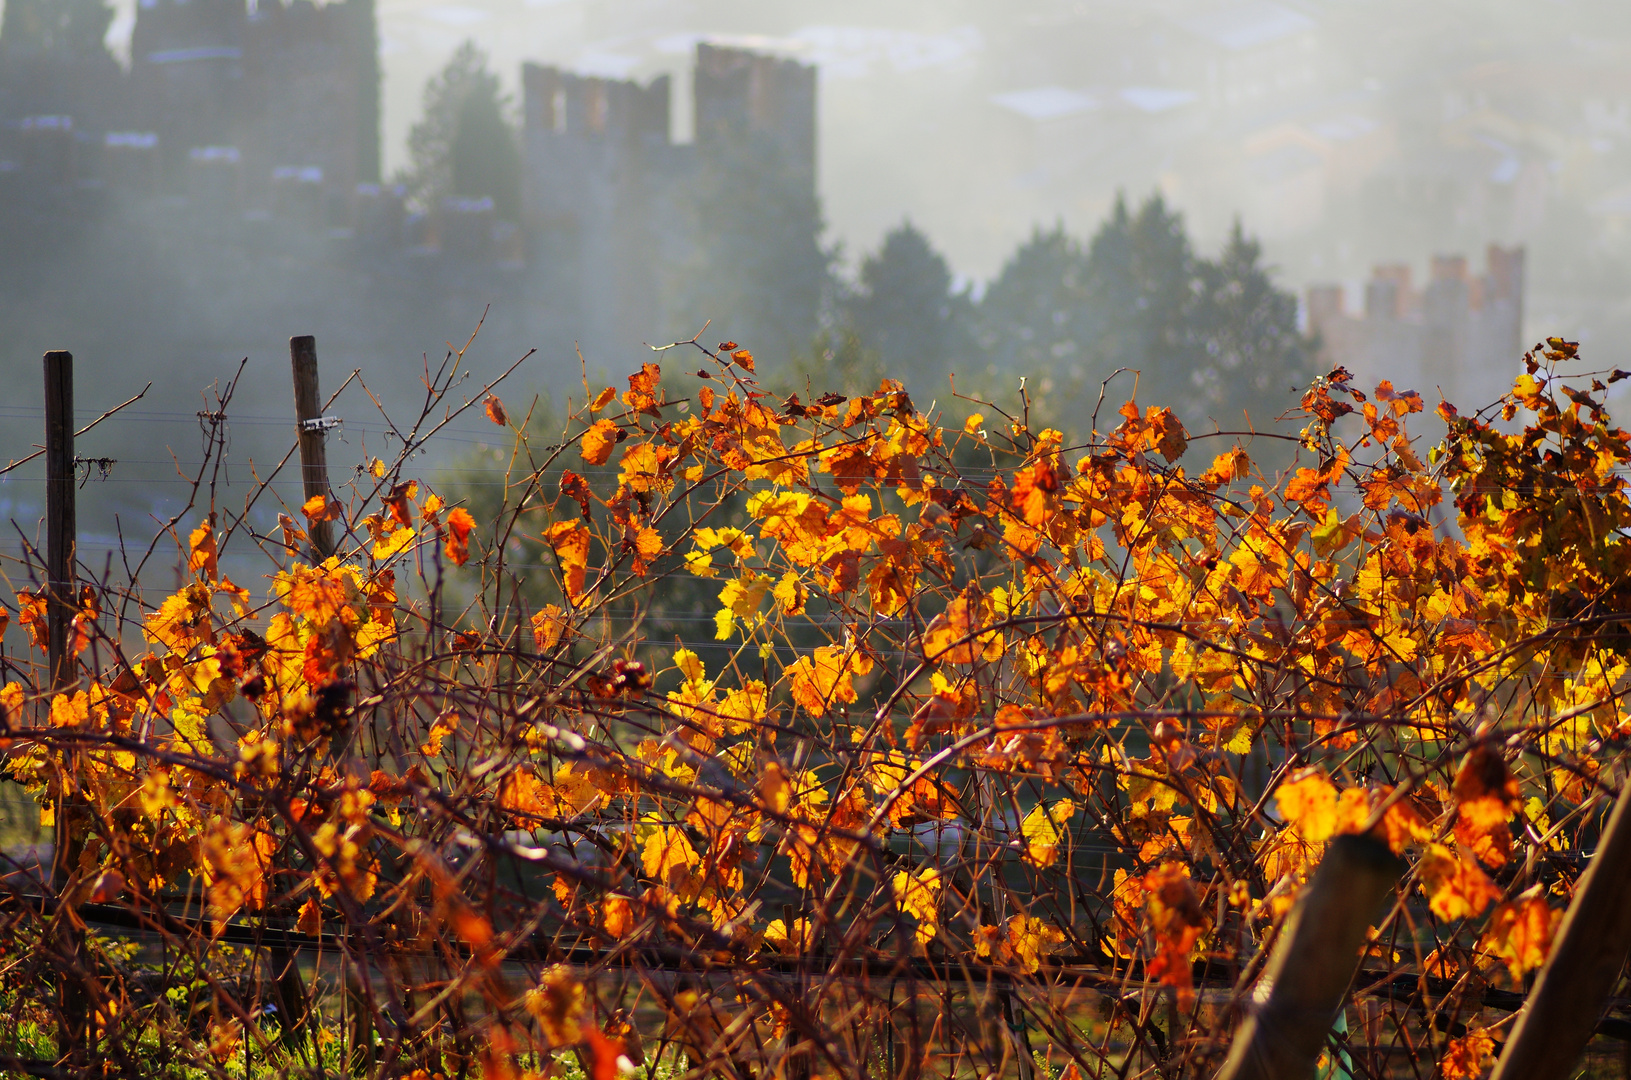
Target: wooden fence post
(60, 524)
(1314, 961)
(308, 407)
(68, 833)
(1567, 1001)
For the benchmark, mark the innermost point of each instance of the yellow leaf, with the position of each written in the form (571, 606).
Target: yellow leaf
(1028, 939)
(1044, 832)
(559, 1003)
(603, 399)
(1308, 803)
(791, 594)
(918, 895)
(690, 665)
(392, 543)
(740, 599)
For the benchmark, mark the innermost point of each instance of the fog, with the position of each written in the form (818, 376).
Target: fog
(1341, 134)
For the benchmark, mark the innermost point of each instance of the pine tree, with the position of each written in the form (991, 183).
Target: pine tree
(1256, 357)
(1143, 283)
(1033, 319)
(464, 146)
(907, 312)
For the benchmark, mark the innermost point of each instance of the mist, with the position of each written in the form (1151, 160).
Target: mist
(1339, 135)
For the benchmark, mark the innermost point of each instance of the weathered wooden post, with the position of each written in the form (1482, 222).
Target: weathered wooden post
(1568, 1000)
(68, 832)
(308, 407)
(60, 523)
(1313, 963)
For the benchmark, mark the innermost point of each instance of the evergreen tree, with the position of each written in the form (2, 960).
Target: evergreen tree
(1255, 356)
(907, 312)
(1209, 339)
(760, 272)
(464, 146)
(1033, 319)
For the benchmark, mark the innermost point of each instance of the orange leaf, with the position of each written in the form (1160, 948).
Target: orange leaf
(202, 556)
(495, 410)
(603, 1054)
(320, 508)
(743, 358)
(459, 526)
(596, 444)
(1520, 933)
(1464, 1057)
(603, 399)
(1456, 887)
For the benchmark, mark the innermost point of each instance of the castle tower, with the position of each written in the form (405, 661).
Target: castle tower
(744, 94)
(598, 167)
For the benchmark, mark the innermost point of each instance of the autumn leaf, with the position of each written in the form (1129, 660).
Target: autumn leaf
(824, 679)
(570, 541)
(1026, 939)
(321, 508)
(549, 626)
(1308, 803)
(1044, 832)
(391, 544)
(1456, 887)
(1176, 920)
(918, 895)
(560, 1004)
(602, 399)
(495, 410)
(1464, 1057)
(202, 554)
(459, 526)
(1520, 934)
(596, 445)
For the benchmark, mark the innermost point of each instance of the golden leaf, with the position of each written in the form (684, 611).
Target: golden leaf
(1044, 832)
(918, 895)
(1308, 803)
(596, 445)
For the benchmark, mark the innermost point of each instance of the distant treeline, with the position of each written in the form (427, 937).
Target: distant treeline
(1213, 336)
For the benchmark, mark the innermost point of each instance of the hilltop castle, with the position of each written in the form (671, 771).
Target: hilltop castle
(238, 113)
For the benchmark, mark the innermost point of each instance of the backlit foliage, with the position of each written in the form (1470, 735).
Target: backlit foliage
(987, 740)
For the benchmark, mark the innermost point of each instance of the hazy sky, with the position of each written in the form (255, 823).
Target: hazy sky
(982, 119)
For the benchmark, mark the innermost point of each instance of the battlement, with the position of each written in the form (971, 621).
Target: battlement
(739, 91)
(1460, 332)
(563, 103)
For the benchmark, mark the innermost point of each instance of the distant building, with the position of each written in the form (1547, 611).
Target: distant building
(1460, 334)
(292, 86)
(608, 193)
